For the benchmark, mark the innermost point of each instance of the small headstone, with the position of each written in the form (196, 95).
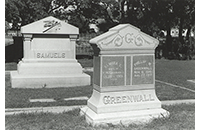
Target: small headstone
(124, 78)
(49, 56)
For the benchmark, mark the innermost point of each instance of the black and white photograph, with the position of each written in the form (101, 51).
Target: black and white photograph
(99, 65)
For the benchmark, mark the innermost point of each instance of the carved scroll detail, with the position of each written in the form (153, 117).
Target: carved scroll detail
(130, 38)
(118, 40)
(139, 41)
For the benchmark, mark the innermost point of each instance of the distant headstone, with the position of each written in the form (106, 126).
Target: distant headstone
(49, 56)
(124, 78)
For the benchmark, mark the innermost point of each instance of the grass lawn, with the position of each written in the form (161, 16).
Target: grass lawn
(19, 98)
(172, 71)
(11, 66)
(182, 117)
(175, 72)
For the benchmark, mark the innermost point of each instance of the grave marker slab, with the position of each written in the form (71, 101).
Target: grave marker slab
(49, 56)
(124, 78)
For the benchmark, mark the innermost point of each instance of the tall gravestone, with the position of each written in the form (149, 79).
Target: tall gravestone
(124, 78)
(49, 56)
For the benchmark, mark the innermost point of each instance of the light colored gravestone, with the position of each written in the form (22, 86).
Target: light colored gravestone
(49, 56)
(124, 78)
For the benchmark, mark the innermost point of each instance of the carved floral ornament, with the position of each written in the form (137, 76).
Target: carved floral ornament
(129, 38)
(48, 24)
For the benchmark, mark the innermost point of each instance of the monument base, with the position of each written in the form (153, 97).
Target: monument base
(125, 118)
(48, 75)
(138, 106)
(48, 81)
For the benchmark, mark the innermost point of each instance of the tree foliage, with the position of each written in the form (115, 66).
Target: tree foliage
(151, 16)
(26, 11)
(82, 12)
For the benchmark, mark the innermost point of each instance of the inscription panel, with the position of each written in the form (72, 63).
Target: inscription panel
(112, 71)
(143, 69)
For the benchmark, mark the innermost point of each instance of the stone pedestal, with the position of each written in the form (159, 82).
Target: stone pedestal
(124, 78)
(123, 107)
(49, 56)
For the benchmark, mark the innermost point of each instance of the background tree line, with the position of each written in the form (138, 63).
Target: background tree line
(151, 16)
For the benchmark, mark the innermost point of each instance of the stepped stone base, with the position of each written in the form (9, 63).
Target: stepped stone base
(48, 75)
(125, 118)
(38, 81)
(125, 107)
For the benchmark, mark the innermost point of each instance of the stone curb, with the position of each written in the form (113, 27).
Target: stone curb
(191, 81)
(57, 109)
(173, 102)
(60, 109)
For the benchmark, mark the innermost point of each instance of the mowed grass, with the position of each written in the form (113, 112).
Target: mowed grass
(172, 71)
(19, 97)
(182, 117)
(166, 92)
(176, 72)
(11, 66)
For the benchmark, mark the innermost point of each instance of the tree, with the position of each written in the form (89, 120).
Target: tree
(7, 27)
(151, 16)
(183, 11)
(80, 13)
(26, 11)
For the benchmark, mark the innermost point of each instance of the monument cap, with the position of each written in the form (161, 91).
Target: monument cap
(49, 25)
(125, 36)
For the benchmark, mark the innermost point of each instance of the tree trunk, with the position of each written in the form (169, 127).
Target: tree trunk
(188, 33)
(188, 43)
(121, 15)
(168, 44)
(181, 30)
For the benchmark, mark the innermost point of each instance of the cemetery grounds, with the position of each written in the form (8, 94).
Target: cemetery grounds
(171, 84)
